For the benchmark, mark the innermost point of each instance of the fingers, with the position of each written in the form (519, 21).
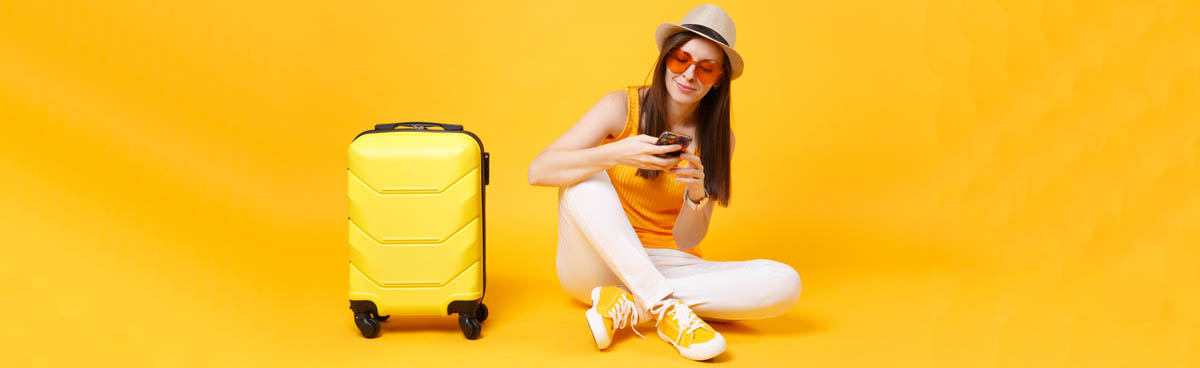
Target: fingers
(687, 172)
(688, 180)
(645, 138)
(693, 159)
(658, 163)
(664, 149)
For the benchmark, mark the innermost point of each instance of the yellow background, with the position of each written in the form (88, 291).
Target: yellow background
(958, 183)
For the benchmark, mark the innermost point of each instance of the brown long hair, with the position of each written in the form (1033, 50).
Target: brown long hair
(712, 127)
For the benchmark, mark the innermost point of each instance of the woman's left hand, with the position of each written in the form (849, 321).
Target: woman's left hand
(691, 175)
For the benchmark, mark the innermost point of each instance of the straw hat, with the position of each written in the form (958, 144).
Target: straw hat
(709, 22)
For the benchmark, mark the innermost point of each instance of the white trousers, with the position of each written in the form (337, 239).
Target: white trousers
(598, 247)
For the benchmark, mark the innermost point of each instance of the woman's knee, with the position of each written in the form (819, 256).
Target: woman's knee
(597, 182)
(780, 285)
(579, 275)
(576, 290)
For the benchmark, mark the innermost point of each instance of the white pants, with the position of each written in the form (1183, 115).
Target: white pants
(598, 247)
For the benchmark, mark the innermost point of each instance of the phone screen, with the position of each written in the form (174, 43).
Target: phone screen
(669, 138)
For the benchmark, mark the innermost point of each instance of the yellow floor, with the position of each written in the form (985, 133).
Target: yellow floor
(270, 290)
(972, 184)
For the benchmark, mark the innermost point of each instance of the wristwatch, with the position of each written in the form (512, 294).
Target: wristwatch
(693, 204)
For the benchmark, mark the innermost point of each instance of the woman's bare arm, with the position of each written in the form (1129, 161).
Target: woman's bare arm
(692, 224)
(577, 154)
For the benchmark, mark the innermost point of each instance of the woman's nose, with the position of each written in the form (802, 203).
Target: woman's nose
(690, 72)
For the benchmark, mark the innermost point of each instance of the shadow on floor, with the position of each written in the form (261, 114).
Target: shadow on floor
(788, 324)
(399, 324)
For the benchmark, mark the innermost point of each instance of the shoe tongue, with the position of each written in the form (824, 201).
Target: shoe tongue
(675, 310)
(688, 317)
(682, 313)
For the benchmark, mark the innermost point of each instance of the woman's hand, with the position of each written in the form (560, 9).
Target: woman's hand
(691, 175)
(639, 151)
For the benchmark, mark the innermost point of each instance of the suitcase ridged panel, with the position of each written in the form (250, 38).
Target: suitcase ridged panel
(415, 220)
(413, 162)
(436, 268)
(418, 301)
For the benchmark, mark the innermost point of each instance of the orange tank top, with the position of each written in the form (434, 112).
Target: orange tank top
(651, 205)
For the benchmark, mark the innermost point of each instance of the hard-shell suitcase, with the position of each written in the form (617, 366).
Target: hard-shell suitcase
(416, 211)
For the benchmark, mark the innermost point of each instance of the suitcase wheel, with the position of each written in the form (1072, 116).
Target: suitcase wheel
(481, 312)
(367, 325)
(470, 326)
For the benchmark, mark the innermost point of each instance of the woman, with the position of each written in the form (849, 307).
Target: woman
(630, 220)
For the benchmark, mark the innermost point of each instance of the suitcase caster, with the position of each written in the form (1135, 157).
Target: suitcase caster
(367, 318)
(367, 325)
(470, 326)
(481, 312)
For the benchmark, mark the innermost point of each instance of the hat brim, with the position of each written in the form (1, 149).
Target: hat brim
(666, 30)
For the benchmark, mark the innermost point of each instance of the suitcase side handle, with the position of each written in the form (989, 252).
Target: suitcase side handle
(418, 125)
(487, 158)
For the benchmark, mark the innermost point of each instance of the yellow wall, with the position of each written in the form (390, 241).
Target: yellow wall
(958, 183)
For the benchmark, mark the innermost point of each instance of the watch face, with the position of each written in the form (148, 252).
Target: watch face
(694, 204)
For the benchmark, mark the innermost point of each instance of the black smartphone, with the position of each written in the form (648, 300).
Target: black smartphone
(669, 138)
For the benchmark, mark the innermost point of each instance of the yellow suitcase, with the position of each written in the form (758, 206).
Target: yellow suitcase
(416, 206)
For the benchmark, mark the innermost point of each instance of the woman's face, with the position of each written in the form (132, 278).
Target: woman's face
(684, 87)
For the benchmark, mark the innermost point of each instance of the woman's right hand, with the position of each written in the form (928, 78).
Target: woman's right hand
(639, 151)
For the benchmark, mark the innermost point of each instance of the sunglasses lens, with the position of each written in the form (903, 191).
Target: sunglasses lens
(707, 72)
(678, 61)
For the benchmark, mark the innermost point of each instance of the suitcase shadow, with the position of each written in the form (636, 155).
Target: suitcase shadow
(399, 324)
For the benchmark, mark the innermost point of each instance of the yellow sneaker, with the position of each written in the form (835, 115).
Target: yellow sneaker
(612, 309)
(694, 338)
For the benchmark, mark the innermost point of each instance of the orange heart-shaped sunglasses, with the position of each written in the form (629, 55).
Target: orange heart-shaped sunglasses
(707, 71)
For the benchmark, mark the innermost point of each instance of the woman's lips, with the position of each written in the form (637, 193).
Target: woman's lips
(683, 88)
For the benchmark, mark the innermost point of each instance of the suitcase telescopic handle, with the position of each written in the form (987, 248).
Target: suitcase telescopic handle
(487, 167)
(418, 125)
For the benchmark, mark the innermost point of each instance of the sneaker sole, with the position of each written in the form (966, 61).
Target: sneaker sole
(690, 353)
(596, 322)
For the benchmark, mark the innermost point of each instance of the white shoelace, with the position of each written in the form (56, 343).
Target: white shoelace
(624, 313)
(684, 318)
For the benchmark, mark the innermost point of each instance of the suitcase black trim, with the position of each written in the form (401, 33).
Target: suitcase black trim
(465, 308)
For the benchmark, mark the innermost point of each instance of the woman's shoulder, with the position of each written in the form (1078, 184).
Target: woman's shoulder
(615, 100)
(614, 109)
(616, 103)
(621, 97)
(610, 113)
